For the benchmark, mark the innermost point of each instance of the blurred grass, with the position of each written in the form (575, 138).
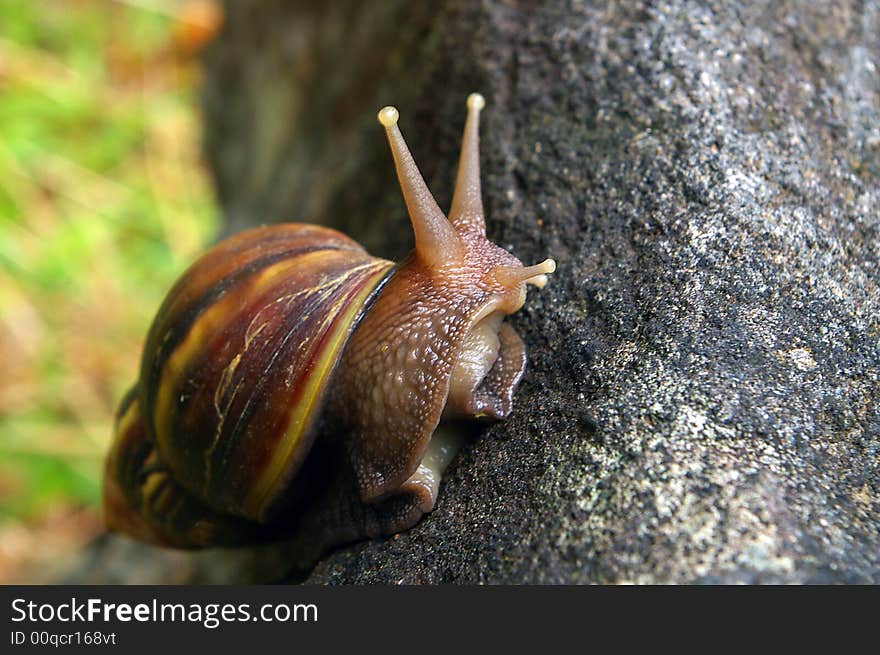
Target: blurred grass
(103, 202)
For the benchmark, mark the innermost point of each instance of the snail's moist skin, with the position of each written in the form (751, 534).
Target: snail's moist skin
(433, 340)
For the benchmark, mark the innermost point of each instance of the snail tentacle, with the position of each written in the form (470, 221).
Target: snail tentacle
(536, 275)
(437, 243)
(466, 212)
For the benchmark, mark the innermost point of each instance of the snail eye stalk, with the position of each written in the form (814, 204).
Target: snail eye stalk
(437, 243)
(466, 212)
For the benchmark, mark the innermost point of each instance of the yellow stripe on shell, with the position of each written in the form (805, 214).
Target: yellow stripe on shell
(125, 422)
(260, 496)
(212, 320)
(151, 485)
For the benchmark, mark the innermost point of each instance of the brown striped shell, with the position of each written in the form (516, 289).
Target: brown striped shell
(238, 358)
(281, 330)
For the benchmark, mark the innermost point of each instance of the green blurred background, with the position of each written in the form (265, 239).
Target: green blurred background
(104, 200)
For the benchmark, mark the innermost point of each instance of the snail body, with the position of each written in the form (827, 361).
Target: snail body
(292, 383)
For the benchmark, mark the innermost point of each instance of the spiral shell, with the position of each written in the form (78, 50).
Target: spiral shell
(242, 351)
(142, 498)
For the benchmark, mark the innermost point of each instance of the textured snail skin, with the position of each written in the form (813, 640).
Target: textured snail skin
(398, 367)
(293, 386)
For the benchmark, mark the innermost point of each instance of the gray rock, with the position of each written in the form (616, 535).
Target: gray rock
(702, 398)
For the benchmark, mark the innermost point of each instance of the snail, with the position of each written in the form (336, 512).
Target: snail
(292, 384)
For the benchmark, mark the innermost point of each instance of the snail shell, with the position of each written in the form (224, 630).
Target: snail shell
(282, 336)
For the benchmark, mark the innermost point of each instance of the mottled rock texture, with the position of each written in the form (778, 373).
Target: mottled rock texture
(701, 403)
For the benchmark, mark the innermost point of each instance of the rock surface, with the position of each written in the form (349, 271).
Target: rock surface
(703, 397)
